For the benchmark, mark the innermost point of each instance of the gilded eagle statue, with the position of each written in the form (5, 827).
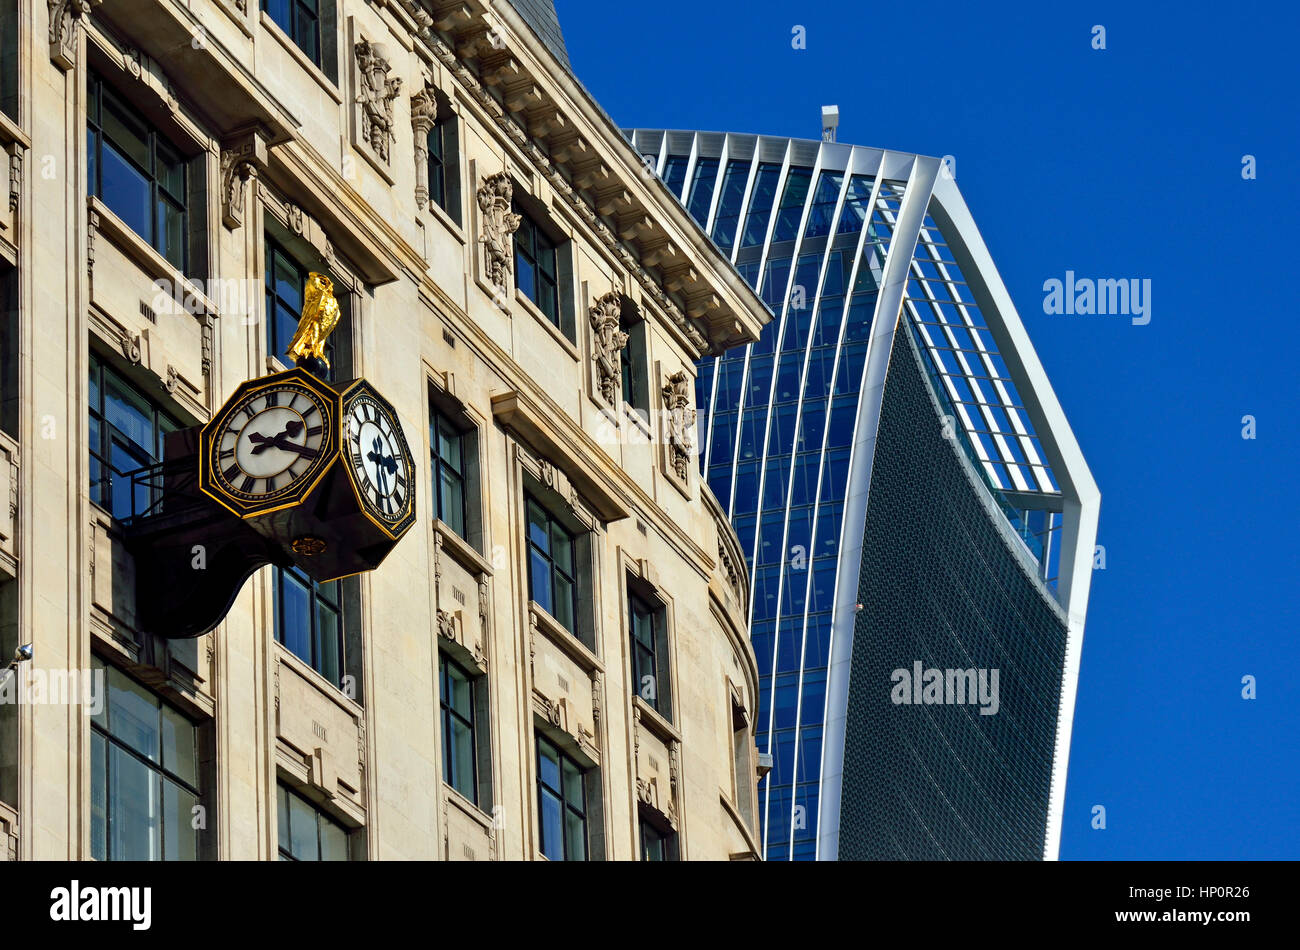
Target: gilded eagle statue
(320, 315)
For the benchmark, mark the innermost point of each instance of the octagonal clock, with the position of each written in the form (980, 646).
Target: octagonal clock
(271, 444)
(377, 458)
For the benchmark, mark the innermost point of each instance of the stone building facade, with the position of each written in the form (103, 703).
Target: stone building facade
(554, 662)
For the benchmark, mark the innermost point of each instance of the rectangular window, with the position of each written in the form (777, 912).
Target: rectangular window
(561, 804)
(792, 199)
(729, 205)
(134, 170)
(634, 363)
(459, 728)
(9, 27)
(675, 174)
(126, 433)
(552, 566)
(822, 213)
(649, 648)
(300, 21)
(309, 621)
(444, 180)
(537, 267)
(9, 331)
(447, 468)
(656, 844)
(144, 776)
(760, 204)
(702, 183)
(306, 834)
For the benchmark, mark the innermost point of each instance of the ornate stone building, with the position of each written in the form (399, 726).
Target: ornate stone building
(555, 661)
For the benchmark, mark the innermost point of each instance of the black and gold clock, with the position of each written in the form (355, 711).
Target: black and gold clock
(270, 444)
(377, 458)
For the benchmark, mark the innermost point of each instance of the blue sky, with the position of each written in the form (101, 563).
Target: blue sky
(1120, 163)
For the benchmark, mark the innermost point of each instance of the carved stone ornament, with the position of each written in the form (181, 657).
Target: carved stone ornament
(608, 343)
(679, 421)
(495, 194)
(241, 159)
(64, 15)
(375, 96)
(446, 625)
(424, 113)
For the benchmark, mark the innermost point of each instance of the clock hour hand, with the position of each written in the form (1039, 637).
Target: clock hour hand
(264, 442)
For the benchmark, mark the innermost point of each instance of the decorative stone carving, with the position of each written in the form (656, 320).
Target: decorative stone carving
(64, 16)
(495, 194)
(92, 227)
(130, 344)
(446, 625)
(375, 96)
(679, 423)
(241, 159)
(15, 176)
(507, 123)
(172, 381)
(728, 567)
(608, 343)
(424, 113)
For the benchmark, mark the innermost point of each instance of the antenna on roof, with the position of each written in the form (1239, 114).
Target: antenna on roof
(830, 122)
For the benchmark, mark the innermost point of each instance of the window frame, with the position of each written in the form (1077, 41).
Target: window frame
(97, 90)
(159, 771)
(291, 28)
(101, 456)
(315, 599)
(552, 524)
(581, 813)
(447, 712)
(441, 426)
(283, 794)
(526, 245)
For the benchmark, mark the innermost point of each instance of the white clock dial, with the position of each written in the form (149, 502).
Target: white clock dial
(270, 441)
(378, 461)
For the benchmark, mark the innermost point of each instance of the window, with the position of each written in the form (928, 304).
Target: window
(144, 775)
(787, 218)
(656, 844)
(458, 691)
(552, 568)
(822, 213)
(9, 58)
(305, 833)
(126, 433)
(9, 330)
(537, 267)
(286, 280)
(729, 205)
(649, 647)
(743, 782)
(561, 804)
(702, 182)
(309, 621)
(444, 182)
(300, 21)
(760, 205)
(447, 468)
(136, 172)
(634, 364)
(675, 174)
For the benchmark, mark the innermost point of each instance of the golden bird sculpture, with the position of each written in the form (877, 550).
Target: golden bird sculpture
(320, 315)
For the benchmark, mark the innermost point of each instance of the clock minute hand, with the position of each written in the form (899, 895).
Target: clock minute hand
(264, 442)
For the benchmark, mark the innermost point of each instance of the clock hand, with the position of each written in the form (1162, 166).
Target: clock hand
(264, 442)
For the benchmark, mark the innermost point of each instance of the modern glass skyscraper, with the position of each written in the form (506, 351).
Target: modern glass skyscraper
(909, 497)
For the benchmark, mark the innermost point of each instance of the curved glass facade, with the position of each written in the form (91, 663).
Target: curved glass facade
(841, 241)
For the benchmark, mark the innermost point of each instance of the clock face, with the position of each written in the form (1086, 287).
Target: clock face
(270, 442)
(378, 458)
